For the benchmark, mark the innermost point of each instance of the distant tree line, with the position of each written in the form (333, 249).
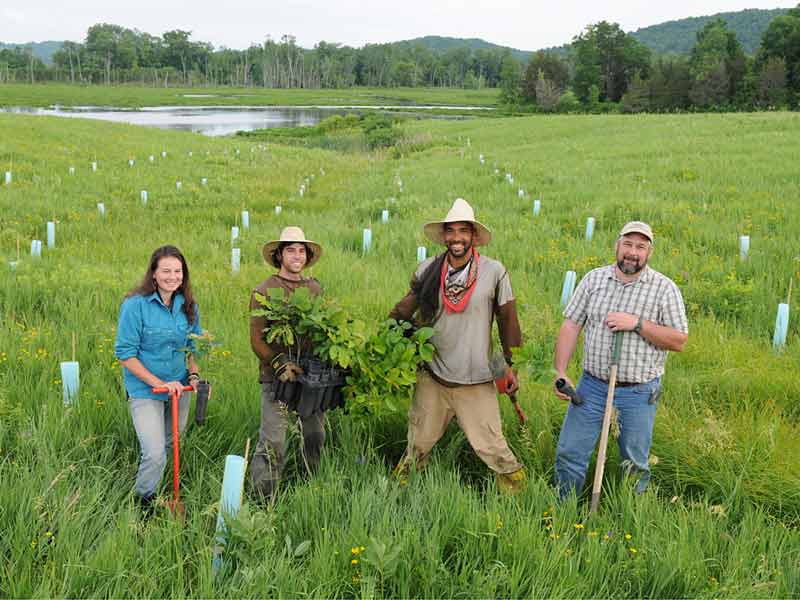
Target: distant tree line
(112, 54)
(605, 69)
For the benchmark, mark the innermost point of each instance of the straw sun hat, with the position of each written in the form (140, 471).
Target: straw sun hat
(291, 235)
(460, 211)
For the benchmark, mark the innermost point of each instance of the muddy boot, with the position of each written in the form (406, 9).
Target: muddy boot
(511, 483)
(403, 469)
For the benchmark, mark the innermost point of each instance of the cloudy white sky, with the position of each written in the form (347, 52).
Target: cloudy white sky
(527, 25)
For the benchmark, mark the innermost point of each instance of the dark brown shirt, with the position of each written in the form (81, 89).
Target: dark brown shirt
(265, 352)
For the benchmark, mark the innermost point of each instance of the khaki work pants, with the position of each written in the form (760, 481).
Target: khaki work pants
(478, 414)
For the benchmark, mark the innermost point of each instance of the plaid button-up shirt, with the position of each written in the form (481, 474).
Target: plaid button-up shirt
(652, 296)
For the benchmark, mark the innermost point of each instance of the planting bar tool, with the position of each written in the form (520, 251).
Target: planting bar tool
(601, 453)
(176, 506)
(500, 373)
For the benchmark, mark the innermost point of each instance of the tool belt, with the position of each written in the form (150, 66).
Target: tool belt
(318, 389)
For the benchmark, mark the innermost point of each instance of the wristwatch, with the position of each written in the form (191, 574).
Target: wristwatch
(638, 327)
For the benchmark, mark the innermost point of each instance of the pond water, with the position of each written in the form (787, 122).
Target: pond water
(220, 120)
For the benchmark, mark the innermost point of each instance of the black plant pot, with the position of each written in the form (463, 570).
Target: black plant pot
(203, 396)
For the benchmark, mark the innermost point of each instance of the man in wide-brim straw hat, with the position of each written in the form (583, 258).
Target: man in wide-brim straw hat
(291, 255)
(459, 293)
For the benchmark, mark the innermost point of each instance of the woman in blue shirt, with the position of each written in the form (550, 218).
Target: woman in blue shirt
(155, 321)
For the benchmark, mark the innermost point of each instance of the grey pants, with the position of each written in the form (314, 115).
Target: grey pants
(152, 420)
(269, 458)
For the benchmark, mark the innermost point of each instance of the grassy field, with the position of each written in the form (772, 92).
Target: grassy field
(45, 95)
(720, 520)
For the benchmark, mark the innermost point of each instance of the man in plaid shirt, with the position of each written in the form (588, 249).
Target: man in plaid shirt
(628, 297)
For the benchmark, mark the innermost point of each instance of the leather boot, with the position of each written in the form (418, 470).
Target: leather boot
(512, 483)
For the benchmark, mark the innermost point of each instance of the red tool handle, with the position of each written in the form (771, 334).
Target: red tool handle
(502, 384)
(176, 443)
(163, 390)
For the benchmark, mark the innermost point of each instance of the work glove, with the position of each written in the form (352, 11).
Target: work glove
(285, 369)
(408, 332)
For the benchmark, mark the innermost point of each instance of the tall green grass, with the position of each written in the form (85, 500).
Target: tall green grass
(45, 95)
(720, 519)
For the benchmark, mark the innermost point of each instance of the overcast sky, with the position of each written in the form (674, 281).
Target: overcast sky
(527, 25)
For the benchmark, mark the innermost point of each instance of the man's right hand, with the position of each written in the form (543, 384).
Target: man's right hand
(290, 372)
(561, 396)
(285, 369)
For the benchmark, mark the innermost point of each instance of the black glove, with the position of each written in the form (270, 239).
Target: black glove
(409, 331)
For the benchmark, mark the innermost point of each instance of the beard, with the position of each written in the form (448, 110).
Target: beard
(467, 248)
(630, 268)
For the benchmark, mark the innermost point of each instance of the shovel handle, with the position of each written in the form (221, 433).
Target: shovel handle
(522, 418)
(164, 390)
(617, 352)
(177, 507)
(600, 466)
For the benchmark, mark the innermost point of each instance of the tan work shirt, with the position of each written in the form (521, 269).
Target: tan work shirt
(264, 351)
(463, 341)
(652, 296)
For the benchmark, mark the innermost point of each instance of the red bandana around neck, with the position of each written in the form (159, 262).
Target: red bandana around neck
(456, 298)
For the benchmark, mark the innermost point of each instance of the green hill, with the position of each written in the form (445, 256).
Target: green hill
(42, 50)
(442, 44)
(678, 37)
(672, 37)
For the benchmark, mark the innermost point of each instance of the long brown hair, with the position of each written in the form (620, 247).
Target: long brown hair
(427, 289)
(148, 284)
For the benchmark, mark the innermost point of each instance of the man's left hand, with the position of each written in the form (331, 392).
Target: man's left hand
(512, 383)
(620, 321)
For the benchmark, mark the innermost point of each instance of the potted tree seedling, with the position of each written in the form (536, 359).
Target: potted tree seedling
(205, 348)
(302, 326)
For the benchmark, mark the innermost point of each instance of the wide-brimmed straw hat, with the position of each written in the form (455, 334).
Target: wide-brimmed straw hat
(460, 211)
(290, 235)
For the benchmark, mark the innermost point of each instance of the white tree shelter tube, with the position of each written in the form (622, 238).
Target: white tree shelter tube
(229, 503)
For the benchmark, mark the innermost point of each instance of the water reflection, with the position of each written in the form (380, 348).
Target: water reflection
(208, 120)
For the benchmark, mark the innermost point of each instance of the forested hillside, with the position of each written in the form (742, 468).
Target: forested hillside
(42, 50)
(444, 44)
(678, 37)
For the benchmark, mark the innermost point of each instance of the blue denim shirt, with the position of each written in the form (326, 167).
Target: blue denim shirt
(157, 335)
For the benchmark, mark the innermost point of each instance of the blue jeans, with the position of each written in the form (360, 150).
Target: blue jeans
(152, 420)
(636, 407)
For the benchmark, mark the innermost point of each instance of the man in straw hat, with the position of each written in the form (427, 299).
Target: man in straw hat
(291, 255)
(459, 293)
(627, 296)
